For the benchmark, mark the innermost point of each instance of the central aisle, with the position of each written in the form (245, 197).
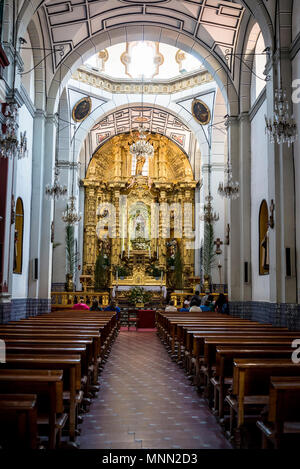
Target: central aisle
(145, 401)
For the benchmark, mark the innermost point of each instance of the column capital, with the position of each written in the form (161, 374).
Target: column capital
(39, 114)
(231, 120)
(244, 116)
(52, 119)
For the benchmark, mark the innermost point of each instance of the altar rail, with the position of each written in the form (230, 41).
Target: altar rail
(179, 298)
(68, 299)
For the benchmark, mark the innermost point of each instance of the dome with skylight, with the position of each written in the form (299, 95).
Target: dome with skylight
(151, 61)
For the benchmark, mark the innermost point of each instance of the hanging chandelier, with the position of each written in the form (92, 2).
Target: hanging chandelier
(282, 128)
(70, 215)
(230, 189)
(209, 216)
(57, 190)
(141, 147)
(10, 146)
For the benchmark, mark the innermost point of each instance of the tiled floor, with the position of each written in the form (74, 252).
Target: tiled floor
(145, 401)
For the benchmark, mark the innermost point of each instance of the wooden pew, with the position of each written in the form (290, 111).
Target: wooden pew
(250, 389)
(58, 335)
(50, 341)
(48, 386)
(70, 364)
(283, 417)
(18, 416)
(225, 356)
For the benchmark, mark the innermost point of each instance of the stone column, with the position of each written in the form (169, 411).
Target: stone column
(45, 264)
(281, 171)
(234, 249)
(162, 249)
(245, 204)
(37, 197)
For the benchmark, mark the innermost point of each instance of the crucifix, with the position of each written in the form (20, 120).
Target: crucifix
(218, 243)
(227, 238)
(271, 222)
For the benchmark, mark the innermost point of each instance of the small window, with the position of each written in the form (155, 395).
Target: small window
(264, 262)
(18, 242)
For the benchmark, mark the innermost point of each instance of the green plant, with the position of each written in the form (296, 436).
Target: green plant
(208, 254)
(122, 271)
(100, 273)
(139, 295)
(178, 271)
(71, 256)
(154, 271)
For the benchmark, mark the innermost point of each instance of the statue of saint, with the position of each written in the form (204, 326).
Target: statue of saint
(139, 225)
(265, 253)
(140, 161)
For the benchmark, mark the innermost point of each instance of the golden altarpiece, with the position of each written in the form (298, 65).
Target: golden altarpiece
(125, 205)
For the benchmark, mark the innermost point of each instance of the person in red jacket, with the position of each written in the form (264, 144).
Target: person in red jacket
(81, 305)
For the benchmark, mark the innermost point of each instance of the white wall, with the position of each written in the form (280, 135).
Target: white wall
(296, 16)
(296, 75)
(28, 78)
(259, 64)
(259, 191)
(23, 189)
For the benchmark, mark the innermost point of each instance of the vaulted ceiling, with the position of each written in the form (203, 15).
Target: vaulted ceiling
(153, 119)
(216, 24)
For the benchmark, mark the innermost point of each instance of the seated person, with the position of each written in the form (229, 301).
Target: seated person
(203, 299)
(95, 306)
(195, 308)
(184, 309)
(113, 307)
(80, 305)
(221, 305)
(171, 307)
(187, 302)
(208, 305)
(196, 298)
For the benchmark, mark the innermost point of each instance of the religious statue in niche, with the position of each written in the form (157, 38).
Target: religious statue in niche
(105, 246)
(200, 112)
(139, 224)
(16, 249)
(139, 227)
(140, 161)
(171, 250)
(82, 109)
(265, 260)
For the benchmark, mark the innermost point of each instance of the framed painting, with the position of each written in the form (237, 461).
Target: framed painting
(201, 112)
(82, 109)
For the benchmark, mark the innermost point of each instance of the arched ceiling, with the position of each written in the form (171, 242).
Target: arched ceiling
(216, 24)
(106, 161)
(155, 121)
(207, 29)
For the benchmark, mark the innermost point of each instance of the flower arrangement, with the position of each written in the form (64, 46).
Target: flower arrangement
(139, 295)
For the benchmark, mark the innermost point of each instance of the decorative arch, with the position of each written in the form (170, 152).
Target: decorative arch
(112, 160)
(39, 64)
(253, 33)
(19, 231)
(264, 263)
(105, 110)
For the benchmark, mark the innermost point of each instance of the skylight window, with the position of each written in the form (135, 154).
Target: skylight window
(142, 60)
(151, 60)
